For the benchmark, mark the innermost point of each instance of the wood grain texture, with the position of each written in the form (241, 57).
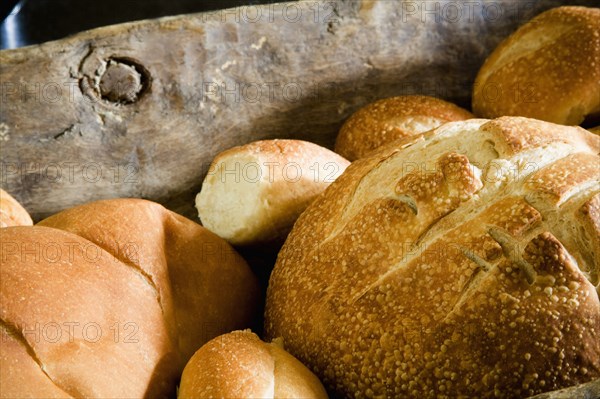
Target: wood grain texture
(591, 390)
(198, 84)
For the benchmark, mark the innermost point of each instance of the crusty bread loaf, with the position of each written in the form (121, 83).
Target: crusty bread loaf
(459, 263)
(548, 69)
(11, 212)
(240, 365)
(112, 298)
(254, 193)
(393, 118)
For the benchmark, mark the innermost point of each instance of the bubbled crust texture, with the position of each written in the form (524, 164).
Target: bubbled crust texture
(549, 69)
(155, 285)
(463, 261)
(391, 119)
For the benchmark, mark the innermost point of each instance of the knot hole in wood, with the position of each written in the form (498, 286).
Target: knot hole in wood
(124, 81)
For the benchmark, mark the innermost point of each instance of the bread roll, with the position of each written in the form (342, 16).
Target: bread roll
(11, 212)
(112, 298)
(393, 118)
(548, 69)
(254, 193)
(240, 365)
(459, 263)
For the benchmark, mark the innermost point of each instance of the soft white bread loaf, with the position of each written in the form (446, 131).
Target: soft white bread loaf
(254, 193)
(11, 212)
(459, 263)
(240, 365)
(548, 69)
(112, 298)
(391, 119)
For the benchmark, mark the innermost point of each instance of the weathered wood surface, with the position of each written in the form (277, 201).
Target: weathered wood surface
(140, 109)
(591, 390)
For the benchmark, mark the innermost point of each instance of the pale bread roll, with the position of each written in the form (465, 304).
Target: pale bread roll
(112, 298)
(254, 193)
(459, 263)
(549, 69)
(11, 212)
(240, 365)
(391, 119)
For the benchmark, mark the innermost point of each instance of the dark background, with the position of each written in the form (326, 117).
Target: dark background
(28, 22)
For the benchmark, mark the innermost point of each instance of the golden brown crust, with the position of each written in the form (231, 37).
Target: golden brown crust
(17, 366)
(517, 134)
(240, 365)
(555, 182)
(545, 70)
(449, 264)
(11, 212)
(234, 365)
(75, 287)
(177, 253)
(150, 286)
(292, 378)
(589, 218)
(391, 119)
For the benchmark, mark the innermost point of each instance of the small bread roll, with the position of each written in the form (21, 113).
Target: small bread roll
(549, 69)
(393, 118)
(240, 365)
(11, 212)
(254, 193)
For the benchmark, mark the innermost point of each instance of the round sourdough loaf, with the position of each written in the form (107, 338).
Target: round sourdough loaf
(240, 365)
(548, 69)
(459, 263)
(112, 298)
(390, 119)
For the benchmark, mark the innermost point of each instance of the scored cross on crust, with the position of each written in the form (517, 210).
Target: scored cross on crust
(460, 262)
